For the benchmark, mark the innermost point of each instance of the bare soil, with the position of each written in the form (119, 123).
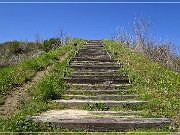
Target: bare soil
(20, 95)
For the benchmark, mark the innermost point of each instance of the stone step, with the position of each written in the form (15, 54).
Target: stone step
(93, 46)
(82, 121)
(88, 47)
(92, 52)
(91, 59)
(95, 66)
(97, 43)
(99, 77)
(100, 97)
(95, 56)
(101, 86)
(95, 73)
(94, 41)
(110, 103)
(92, 55)
(98, 92)
(92, 49)
(100, 43)
(95, 70)
(94, 62)
(85, 50)
(96, 81)
(116, 112)
(96, 47)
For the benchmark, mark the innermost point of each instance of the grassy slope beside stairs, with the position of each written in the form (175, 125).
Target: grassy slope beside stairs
(50, 87)
(154, 82)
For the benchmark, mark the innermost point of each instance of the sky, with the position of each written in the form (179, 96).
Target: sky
(87, 21)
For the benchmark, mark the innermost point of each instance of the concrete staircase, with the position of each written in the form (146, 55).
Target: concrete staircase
(96, 81)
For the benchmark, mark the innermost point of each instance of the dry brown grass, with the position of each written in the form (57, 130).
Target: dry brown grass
(15, 52)
(142, 41)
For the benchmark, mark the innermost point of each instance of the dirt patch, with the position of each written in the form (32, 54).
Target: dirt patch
(19, 95)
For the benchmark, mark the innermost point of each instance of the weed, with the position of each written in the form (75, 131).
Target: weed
(96, 106)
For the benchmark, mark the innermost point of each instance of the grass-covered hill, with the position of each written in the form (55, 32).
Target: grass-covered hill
(153, 81)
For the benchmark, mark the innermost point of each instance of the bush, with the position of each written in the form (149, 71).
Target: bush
(15, 47)
(50, 44)
(47, 89)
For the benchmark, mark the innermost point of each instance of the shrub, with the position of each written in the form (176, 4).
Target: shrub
(50, 44)
(141, 40)
(15, 47)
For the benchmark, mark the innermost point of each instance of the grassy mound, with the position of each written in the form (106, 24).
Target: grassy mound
(153, 81)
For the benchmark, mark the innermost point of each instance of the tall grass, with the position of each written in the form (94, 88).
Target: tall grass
(16, 52)
(141, 40)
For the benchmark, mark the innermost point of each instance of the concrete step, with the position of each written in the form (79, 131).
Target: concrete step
(96, 81)
(95, 70)
(94, 41)
(81, 121)
(116, 112)
(95, 73)
(115, 77)
(99, 43)
(105, 69)
(95, 66)
(100, 97)
(101, 86)
(90, 59)
(89, 49)
(98, 92)
(110, 103)
(94, 62)
(92, 51)
(94, 45)
(94, 56)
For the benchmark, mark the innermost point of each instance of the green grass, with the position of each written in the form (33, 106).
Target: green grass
(49, 87)
(14, 76)
(154, 82)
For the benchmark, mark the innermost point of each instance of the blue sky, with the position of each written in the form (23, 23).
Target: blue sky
(88, 21)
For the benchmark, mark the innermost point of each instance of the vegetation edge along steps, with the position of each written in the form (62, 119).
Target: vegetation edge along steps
(78, 119)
